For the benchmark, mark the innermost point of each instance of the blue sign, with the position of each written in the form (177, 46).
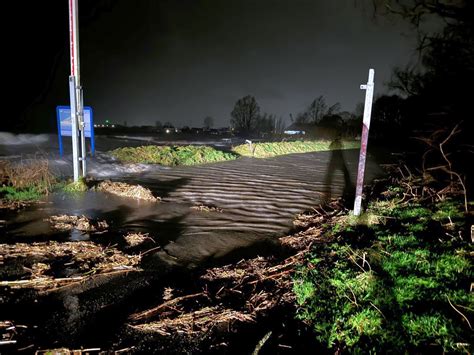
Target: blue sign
(63, 114)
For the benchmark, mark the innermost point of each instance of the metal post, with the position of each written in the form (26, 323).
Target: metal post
(75, 143)
(77, 111)
(369, 94)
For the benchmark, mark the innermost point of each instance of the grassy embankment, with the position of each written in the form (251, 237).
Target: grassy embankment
(171, 155)
(273, 149)
(192, 155)
(398, 277)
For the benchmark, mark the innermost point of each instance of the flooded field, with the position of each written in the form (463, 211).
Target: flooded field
(207, 212)
(208, 215)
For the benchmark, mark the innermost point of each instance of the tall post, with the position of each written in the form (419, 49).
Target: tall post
(75, 143)
(369, 95)
(77, 112)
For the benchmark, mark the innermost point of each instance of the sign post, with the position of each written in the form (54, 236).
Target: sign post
(64, 118)
(76, 97)
(369, 95)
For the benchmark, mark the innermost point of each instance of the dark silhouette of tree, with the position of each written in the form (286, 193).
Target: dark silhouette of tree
(245, 114)
(208, 122)
(317, 110)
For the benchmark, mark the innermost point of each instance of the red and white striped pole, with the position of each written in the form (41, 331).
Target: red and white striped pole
(369, 95)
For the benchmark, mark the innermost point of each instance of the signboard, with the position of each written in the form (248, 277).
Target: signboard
(63, 115)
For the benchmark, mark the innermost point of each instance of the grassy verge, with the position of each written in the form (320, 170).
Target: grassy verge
(397, 277)
(171, 155)
(272, 149)
(25, 181)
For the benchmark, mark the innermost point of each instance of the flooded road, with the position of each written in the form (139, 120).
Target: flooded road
(256, 201)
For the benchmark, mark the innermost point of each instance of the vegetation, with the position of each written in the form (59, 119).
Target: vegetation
(11, 193)
(272, 149)
(245, 114)
(25, 181)
(75, 186)
(171, 155)
(397, 277)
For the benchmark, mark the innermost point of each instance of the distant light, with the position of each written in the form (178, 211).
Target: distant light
(106, 121)
(168, 130)
(113, 126)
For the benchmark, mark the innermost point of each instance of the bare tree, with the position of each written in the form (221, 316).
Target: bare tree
(245, 114)
(208, 122)
(317, 110)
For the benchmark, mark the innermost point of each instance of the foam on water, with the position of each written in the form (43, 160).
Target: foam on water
(7, 138)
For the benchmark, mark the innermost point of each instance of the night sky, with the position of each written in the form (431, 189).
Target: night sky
(179, 61)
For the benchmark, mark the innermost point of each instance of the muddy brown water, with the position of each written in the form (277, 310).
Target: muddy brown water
(258, 199)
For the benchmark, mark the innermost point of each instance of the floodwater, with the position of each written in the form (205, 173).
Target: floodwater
(257, 201)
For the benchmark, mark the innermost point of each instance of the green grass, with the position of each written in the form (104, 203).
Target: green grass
(73, 187)
(272, 149)
(11, 193)
(391, 284)
(171, 155)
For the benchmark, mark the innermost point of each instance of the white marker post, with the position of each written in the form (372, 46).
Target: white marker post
(75, 92)
(369, 95)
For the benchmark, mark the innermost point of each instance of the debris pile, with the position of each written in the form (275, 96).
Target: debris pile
(126, 190)
(235, 294)
(135, 239)
(45, 263)
(64, 223)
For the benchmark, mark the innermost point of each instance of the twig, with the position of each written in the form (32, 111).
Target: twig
(261, 343)
(154, 311)
(458, 311)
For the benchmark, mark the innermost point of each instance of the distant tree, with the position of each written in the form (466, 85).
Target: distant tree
(168, 124)
(317, 110)
(280, 125)
(265, 122)
(158, 125)
(245, 114)
(208, 122)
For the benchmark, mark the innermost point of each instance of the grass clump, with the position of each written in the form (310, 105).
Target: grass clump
(386, 285)
(273, 149)
(75, 186)
(171, 155)
(11, 193)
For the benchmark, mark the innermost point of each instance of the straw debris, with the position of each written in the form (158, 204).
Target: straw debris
(81, 223)
(123, 189)
(205, 208)
(135, 239)
(44, 263)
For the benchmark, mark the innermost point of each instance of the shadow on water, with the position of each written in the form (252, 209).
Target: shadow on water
(336, 163)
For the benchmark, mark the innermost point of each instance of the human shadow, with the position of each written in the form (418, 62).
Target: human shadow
(337, 162)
